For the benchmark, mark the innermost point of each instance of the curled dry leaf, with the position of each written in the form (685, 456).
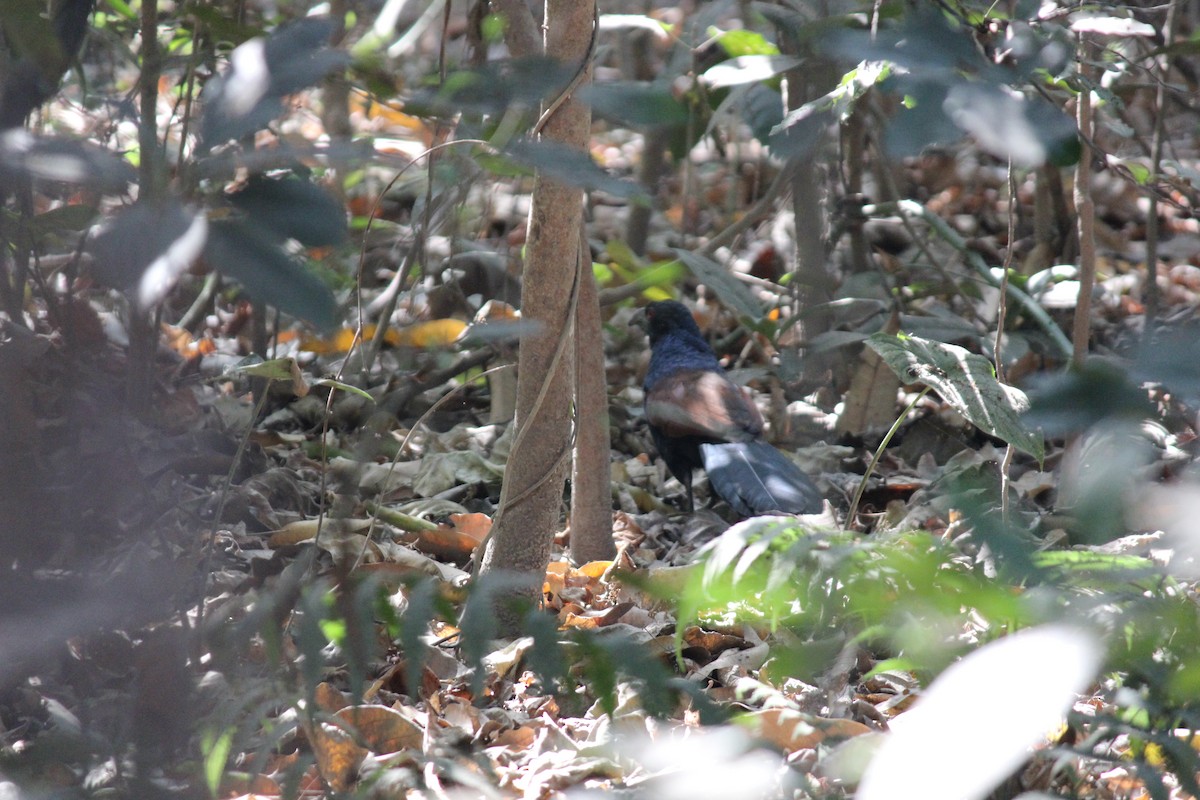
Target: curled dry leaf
(456, 541)
(382, 729)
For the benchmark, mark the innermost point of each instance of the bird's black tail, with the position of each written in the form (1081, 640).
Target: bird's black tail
(755, 478)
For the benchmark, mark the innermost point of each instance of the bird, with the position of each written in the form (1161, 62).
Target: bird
(699, 418)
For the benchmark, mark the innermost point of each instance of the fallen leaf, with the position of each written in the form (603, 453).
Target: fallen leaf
(382, 729)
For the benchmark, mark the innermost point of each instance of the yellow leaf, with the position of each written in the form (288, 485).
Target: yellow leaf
(435, 333)
(343, 339)
(595, 569)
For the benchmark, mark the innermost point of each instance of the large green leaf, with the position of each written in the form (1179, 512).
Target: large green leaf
(293, 208)
(800, 131)
(147, 246)
(248, 95)
(64, 161)
(571, 166)
(636, 104)
(1094, 393)
(493, 88)
(716, 277)
(949, 90)
(964, 380)
(269, 274)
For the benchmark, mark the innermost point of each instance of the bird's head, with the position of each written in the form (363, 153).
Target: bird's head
(666, 316)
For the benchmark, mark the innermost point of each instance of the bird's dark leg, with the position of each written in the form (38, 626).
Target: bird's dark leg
(687, 490)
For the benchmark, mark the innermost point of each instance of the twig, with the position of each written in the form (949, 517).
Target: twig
(878, 454)
(1001, 313)
(762, 208)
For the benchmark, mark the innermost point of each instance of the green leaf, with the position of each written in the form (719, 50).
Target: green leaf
(731, 291)
(216, 748)
(1076, 400)
(571, 166)
(742, 42)
(345, 387)
(73, 217)
(294, 209)
(494, 88)
(269, 274)
(275, 369)
(635, 104)
(148, 246)
(65, 161)
(248, 95)
(122, 8)
(964, 380)
(1029, 131)
(800, 131)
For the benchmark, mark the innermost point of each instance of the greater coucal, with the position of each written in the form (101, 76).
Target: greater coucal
(700, 418)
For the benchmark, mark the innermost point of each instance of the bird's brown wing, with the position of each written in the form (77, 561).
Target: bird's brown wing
(702, 403)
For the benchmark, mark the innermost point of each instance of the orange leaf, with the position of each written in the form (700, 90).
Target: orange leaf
(792, 730)
(434, 333)
(595, 569)
(475, 525)
(328, 698)
(343, 339)
(338, 757)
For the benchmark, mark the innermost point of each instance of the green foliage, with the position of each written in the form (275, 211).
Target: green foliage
(922, 603)
(905, 593)
(250, 228)
(636, 104)
(732, 292)
(269, 273)
(964, 380)
(949, 88)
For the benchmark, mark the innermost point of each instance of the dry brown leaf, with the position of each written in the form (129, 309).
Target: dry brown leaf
(597, 618)
(330, 699)
(711, 641)
(338, 756)
(870, 403)
(517, 738)
(475, 525)
(462, 716)
(383, 729)
(256, 786)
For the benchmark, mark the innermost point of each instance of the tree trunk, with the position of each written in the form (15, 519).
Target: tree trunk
(531, 503)
(810, 266)
(591, 484)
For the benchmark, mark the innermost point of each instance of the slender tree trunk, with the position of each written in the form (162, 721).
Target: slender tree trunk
(531, 503)
(1085, 210)
(813, 281)
(591, 486)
